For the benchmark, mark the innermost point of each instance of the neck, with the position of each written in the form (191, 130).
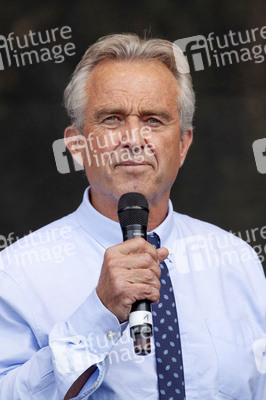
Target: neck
(158, 209)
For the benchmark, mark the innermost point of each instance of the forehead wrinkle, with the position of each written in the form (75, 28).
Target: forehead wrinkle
(139, 109)
(117, 106)
(126, 99)
(132, 93)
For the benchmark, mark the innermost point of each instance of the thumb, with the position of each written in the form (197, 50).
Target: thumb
(162, 253)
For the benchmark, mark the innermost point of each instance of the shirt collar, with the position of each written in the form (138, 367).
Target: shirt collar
(108, 232)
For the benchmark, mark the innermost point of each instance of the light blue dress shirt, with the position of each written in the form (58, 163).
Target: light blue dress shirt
(53, 325)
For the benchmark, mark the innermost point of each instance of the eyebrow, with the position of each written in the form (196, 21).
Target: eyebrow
(156, 113)
(120, 111)
(107, 111)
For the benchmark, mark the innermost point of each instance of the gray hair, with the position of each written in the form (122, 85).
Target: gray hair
(130, 47)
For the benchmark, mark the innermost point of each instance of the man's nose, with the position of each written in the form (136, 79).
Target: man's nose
(131, 135)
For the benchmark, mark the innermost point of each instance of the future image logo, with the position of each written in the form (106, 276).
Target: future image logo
(64, 161)
(101, 150)
(219, 51)
(36, 47)
(4, 46)
(259, 349)
(195, 48)
(259, 150)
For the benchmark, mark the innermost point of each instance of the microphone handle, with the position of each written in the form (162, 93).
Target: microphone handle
(140, 317)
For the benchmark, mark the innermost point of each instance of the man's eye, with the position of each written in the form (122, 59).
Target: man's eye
(153, 120)
(111, 118)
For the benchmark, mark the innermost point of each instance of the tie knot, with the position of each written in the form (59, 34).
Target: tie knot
(154, 239)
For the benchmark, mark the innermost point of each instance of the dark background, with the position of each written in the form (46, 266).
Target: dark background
(219, 182)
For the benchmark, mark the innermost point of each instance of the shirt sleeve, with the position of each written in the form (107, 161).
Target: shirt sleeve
(85, 339)
(29, 371)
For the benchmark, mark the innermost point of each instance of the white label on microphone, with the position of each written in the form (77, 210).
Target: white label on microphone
(140, 318)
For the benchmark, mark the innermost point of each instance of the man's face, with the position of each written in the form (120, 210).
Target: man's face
(131, 125)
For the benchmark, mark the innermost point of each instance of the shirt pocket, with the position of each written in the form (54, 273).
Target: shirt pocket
(232, 340)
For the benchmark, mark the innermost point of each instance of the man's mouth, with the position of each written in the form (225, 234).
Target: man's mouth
(131, 164)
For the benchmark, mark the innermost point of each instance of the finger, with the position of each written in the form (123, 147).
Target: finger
(162, 253)
(143, 276)
(135, 246)
(137, 261)
(148, 292)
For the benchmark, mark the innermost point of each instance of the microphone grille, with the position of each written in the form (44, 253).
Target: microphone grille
(133, 208)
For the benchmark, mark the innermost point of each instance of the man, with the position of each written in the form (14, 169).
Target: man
(67, 289)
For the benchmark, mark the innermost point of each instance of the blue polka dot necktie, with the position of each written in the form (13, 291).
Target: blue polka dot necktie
(167, 337)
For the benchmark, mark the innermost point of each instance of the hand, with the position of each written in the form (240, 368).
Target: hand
(130, 272)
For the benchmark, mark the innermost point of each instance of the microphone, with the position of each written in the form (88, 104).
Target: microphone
(133, 214)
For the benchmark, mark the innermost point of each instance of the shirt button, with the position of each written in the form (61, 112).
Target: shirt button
(110, 335)
(96, 384)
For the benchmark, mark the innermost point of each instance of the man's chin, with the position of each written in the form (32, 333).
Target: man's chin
(139, 187)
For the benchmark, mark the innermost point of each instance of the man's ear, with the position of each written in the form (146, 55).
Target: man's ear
(185, 143)
(76, 144)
